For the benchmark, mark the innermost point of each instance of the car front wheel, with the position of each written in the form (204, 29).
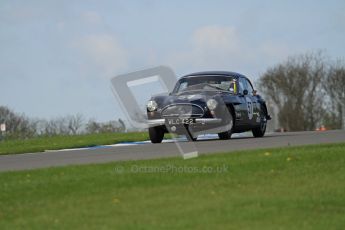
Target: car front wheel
(191, 137)
(224, 135)
(260, 131)
(156, 134)
(227, 134)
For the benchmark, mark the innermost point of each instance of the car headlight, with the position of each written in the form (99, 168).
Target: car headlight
(151, 106)
(212, 104)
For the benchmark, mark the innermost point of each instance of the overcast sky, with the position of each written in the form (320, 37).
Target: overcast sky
(57, 57)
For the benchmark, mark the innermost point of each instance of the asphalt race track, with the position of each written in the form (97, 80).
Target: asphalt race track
(150, 151)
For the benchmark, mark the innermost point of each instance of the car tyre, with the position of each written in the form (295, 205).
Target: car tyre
(156, 134)
(227, 134)
(190, 138)
(260, 131)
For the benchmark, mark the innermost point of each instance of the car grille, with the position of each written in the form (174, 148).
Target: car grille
(182, 110)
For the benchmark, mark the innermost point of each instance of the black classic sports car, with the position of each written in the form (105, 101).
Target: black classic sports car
(208, 102)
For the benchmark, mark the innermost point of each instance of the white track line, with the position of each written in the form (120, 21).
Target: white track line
(180, 139)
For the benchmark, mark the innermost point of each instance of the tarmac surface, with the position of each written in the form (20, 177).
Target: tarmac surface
(146, 150)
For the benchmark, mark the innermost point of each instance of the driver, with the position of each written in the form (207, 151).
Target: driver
(233, 87)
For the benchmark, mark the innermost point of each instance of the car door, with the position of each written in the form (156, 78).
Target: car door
(249, 101)
(252, 104)
(246, 104)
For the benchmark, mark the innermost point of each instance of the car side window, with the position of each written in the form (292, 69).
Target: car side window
(249, 87)
(183, 86)
(242, 85)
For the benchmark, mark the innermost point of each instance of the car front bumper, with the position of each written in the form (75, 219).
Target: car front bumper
(202, 121)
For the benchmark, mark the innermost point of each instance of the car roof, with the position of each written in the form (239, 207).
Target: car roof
(219, 73)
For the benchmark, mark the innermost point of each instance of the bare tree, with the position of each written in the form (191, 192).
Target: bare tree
(335, 87)
(50, 128)
(56, 126)
(123, 125)
(92, 126)
(111, 126)
(75, 123)
(17, 125)
(295, 89)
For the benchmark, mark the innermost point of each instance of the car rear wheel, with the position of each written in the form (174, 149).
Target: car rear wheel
(156, 134)
(260, 131)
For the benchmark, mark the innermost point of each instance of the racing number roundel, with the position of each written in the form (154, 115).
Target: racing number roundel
(249, 107)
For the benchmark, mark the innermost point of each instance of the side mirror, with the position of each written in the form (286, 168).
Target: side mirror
(254, 92)
(245, 92)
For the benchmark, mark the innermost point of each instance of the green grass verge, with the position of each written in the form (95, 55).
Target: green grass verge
(39, 144)
(286, 188)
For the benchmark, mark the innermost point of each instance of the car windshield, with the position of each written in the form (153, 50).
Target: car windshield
(218, 83)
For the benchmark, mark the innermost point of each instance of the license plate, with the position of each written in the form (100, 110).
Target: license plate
(180, 121)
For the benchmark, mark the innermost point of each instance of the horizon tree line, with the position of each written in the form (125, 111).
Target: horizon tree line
(19, 126)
